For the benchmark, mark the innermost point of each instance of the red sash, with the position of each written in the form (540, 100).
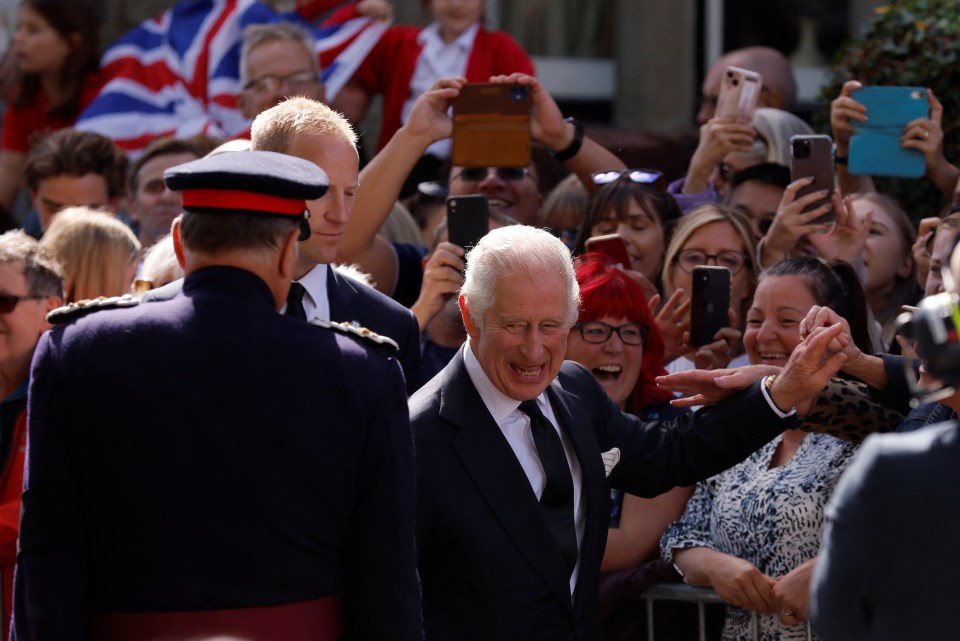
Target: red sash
(316, 620)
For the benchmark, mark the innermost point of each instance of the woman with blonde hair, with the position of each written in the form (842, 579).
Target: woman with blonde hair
(710, 235)
(98, 253)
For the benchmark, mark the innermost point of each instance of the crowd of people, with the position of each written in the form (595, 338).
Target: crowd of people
(510, 440)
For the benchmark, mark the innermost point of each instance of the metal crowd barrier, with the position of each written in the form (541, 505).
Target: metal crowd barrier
(692, 594)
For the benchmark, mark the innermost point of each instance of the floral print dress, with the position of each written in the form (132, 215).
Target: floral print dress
(771, 517)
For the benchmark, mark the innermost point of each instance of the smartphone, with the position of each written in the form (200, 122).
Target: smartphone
(613, 246)
(710, 301)
(491, 126)
(813, 156)
(739, 92)
(875, 145)
(468, 219)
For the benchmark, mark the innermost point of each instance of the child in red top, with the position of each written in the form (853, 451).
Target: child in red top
(57, 55)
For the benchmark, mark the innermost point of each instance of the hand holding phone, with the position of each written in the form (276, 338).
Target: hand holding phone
(491, 126)
(875, 148)
(739, 93)
(710, 300)
(812, 156)
(468, 219)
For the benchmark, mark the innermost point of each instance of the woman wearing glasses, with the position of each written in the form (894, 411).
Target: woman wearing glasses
(710, 235)
(632, 204)
(617, 339)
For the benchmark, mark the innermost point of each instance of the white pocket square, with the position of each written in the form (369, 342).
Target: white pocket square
(610, 459)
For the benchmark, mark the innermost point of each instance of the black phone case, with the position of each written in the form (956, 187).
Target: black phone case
(710, 301)
(468, 219)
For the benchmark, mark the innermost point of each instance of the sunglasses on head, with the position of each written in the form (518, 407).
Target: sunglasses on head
(506, 174)
(9, 302)
(639, 176)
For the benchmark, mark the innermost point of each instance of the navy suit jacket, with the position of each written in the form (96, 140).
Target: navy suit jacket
(351, 300)
(488, 565)
(207, 453)
(889, 565)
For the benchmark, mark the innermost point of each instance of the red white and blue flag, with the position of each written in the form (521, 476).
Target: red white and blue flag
(179, 75)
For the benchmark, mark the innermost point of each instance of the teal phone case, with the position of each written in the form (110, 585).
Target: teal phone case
(875, 146)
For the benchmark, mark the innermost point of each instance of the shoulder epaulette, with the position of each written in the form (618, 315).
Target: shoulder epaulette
(384, 344)
(80, 308)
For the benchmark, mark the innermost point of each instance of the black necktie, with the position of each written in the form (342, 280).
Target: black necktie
(295, 302)
(556, 502)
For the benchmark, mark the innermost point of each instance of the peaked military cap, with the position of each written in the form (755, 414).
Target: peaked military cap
(254, 182)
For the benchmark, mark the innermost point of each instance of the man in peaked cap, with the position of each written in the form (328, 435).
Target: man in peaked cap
(246, 475)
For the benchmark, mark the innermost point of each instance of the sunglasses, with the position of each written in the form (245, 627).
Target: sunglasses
(639, 176)
(506, 174)
(9, 302)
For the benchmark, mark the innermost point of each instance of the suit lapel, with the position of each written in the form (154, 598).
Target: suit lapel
(339, 294)
(498, 475)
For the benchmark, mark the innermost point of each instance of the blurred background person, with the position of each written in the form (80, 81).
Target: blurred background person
(57, 54)
(98, 253)
(632, 204)
(159, 266)
(30, 288)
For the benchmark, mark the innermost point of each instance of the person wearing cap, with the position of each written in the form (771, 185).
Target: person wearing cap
(255, 482)
(313, 131)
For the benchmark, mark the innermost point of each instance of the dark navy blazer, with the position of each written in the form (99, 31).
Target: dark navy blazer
(350, 301)
(205, 452)
(488, 564)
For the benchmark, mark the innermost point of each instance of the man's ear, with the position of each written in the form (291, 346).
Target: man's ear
(289, 252)
(178, 242)
(468, 323)
(49, 304)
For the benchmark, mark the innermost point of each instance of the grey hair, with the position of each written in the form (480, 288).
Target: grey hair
(258, 34)
(513, 250)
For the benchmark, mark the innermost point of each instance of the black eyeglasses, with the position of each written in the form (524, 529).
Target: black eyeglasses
(688, 259)
(9, 302)
(597, 332)
(506, 174)
(639, 176)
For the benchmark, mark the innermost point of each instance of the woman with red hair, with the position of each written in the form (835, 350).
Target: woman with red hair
(617, 339)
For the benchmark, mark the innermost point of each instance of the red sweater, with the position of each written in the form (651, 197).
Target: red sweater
(389, 68)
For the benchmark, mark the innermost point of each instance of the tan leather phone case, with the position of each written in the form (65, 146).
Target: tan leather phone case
(491, 126)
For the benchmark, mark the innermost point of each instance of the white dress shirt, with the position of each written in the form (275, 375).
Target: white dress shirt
(315, 301)
(438, 60)
(515, 426)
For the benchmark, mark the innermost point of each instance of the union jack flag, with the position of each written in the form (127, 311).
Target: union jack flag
(178, 75)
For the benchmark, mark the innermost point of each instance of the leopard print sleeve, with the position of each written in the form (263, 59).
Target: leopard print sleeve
(849, 410)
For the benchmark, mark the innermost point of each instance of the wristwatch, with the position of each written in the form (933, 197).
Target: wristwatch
(574, 147)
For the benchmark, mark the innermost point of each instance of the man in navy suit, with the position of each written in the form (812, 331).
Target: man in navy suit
(512, 503)
(313, 131)
(205, 467)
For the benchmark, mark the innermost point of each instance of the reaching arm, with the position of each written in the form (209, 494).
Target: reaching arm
(382, 179)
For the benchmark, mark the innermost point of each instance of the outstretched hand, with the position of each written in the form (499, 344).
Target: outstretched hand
(810, 367)
(708, 387)
(429, 116)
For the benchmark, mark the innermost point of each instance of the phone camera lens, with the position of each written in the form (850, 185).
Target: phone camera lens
(735, 82)
(518, 94)
(801, 149)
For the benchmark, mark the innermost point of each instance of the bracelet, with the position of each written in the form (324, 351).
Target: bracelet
(841, 160)
(574, 147)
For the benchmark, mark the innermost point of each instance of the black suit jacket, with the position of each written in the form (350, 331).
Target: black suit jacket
(351, 300)
(488, 565)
